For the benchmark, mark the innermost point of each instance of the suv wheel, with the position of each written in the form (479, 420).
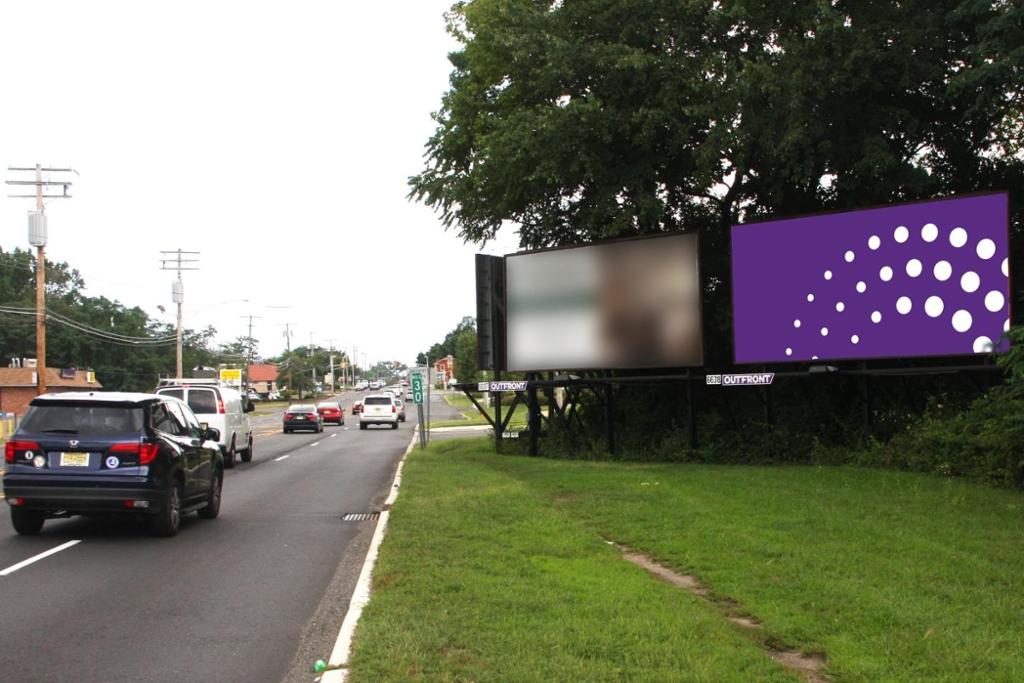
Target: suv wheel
(27, 522)
(229, 457)
(394, 425)
(247, 453)
(168, 520)
(362, 425)
(212, 508)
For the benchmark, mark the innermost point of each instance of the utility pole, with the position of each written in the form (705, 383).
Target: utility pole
(37, 237)
(180, 261)
(288, 346)
(249, 357)
(330, 347)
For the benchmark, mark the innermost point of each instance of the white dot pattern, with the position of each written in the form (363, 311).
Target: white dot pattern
(962, 321)
(964, 314)
(958, 237)
(986, 249)
(969, 282)
(994, 301)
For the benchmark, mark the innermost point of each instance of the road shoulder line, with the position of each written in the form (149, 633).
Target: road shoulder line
(361, 595)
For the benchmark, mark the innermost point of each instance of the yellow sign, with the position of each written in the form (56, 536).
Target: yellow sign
(231, 375)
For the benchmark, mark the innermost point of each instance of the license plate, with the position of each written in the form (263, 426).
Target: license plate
(74, 459)
(300, 417)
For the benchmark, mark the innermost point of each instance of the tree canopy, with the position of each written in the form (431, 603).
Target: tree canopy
(119, 365)
(602, 118)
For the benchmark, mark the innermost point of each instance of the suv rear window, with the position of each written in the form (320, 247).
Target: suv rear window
(202, 401)
(377, 401)
(85, 420)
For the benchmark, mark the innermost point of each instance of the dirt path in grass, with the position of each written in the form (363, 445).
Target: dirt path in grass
(807, 666)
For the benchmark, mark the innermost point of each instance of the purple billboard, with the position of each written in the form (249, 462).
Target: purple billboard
(922, 279)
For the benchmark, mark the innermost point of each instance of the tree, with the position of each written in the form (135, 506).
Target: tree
(578, 121)
(81, 328)
(465, 356)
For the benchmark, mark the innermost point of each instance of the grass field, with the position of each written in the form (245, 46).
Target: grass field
(497, 568)
(472, 416)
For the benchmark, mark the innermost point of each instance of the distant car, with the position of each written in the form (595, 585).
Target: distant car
(274, 396)
(302, 416)
(81, 453)
(401, 409)
(331, 412)
(378, 409)
(357, 406)
(362, 385)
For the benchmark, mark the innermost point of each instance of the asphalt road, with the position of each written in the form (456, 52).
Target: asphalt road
(255, 595)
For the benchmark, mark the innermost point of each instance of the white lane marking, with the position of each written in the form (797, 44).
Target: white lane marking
(313, 445)
(281, 458)
(24, 563)
(334, 435)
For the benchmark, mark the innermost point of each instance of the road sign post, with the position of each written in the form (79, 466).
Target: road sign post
(416, 380)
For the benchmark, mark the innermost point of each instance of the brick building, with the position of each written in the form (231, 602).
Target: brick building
(445, 368)
(18, 385)
(262, 378)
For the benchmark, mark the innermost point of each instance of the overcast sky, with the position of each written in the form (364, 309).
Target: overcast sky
(275, 138)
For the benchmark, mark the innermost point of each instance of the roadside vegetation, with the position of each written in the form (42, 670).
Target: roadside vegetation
(498, 567)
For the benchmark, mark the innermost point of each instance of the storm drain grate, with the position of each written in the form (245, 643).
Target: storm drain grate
(359, 516)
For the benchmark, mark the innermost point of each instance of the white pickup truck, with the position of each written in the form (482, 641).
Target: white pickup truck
(378, 409)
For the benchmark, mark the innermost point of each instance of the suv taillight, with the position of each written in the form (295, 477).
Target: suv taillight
(146, 451)
(15, 448)
(220, 406)
(394, 408)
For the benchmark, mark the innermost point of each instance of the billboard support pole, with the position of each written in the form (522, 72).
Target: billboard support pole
(609, 416)
(534, 409)
(866, 402)
(691, 411)
(497, 413)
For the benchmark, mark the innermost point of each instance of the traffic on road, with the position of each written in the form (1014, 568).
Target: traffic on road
(91, 476)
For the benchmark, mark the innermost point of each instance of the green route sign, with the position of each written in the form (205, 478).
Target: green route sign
(417, 389)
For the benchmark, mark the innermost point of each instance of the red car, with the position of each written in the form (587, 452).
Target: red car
(331, 412)
(357, 407)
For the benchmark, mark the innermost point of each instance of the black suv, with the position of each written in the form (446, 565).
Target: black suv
(84, 453)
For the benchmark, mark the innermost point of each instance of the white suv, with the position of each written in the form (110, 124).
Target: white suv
(378, 409)
(224, 409)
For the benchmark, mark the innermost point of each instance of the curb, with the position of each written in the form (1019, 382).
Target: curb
(338, 662)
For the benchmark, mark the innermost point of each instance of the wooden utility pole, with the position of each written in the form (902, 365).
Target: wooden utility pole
(37, 237)
(179, 260)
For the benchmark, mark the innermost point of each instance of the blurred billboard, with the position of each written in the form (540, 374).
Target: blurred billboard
(618, 305)
(920, 279)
